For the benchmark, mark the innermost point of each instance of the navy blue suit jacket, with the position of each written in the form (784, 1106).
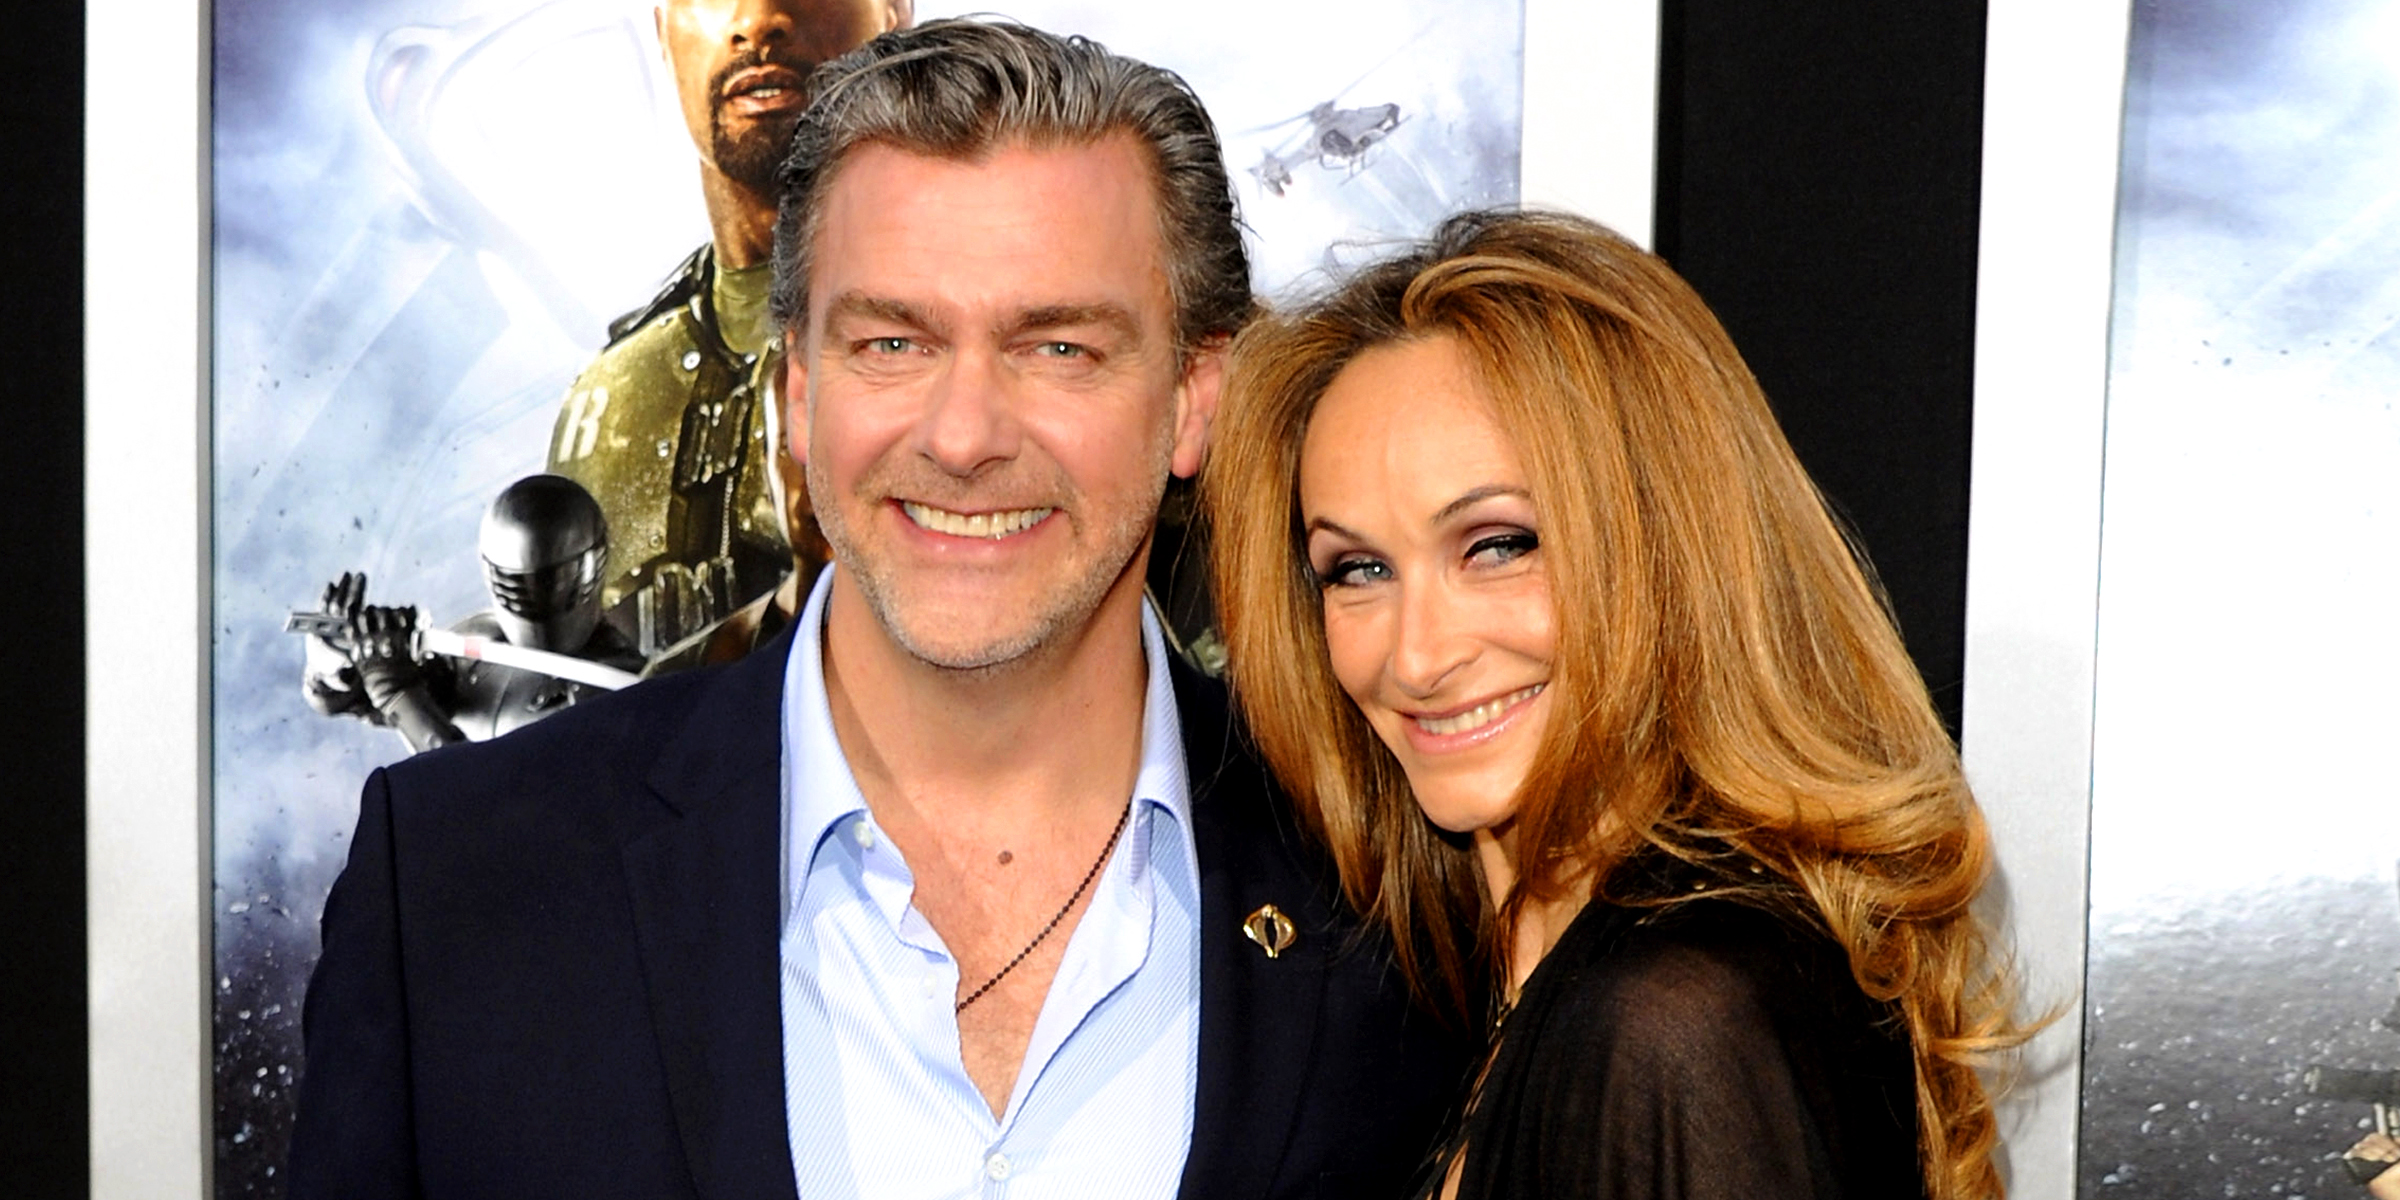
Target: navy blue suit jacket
(550, 969)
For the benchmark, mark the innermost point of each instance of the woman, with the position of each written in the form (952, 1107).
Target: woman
(1530, 605)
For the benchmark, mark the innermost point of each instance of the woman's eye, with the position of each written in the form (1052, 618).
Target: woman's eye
(1502, 547)
(1351, 572)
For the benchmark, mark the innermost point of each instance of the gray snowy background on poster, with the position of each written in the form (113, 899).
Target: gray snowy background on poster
(2244, 919)
(426, 211)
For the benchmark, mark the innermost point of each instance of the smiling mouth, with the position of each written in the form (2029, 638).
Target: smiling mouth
(989, 526)
(763, 86)
(1479, 716)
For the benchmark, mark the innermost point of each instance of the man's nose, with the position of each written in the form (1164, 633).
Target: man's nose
(1430, 642)
(969, 421)
(761, 23)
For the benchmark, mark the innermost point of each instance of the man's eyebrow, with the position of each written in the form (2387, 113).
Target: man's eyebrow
(1114, 317)
(859, 305)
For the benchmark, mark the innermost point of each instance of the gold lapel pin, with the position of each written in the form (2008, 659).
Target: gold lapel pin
(1270, 929)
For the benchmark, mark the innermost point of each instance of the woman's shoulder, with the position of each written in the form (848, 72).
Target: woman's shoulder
(1694, 975)
(1695, 951)
(1650, 1040)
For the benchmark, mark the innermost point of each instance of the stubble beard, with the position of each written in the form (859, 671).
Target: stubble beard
(752, 157)
(1059, 613)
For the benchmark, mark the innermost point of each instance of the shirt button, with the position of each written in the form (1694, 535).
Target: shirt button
(995, 1168)
(931, 985)
(863, 834)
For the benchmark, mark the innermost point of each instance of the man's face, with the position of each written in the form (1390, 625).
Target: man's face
(739, 65)
(988, 395)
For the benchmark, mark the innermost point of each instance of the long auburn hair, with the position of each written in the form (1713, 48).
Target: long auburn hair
(1728, 687)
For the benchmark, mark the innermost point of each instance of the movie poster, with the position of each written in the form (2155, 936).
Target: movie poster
(427, 214)
(2245, 920)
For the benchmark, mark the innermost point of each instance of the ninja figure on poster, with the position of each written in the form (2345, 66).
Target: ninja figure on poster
(540, 648)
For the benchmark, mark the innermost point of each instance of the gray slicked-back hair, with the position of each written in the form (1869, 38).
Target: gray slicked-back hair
(961, 89)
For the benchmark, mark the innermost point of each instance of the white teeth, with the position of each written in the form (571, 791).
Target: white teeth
(980, 525)
(1479, 716)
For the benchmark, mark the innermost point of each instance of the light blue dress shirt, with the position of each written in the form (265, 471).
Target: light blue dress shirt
(877, 1097)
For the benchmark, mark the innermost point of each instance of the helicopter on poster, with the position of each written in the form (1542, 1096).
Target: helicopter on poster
(1336, 139)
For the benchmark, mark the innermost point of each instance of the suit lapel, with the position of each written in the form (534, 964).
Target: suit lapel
(706, 890)
(1258, 1016)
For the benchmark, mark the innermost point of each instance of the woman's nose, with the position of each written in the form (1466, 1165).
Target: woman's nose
(1431, 642)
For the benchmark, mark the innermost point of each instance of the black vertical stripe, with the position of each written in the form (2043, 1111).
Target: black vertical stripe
(1819, 169)
(44, 1121)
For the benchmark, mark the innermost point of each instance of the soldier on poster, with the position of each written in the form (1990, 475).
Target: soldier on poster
(667, 427)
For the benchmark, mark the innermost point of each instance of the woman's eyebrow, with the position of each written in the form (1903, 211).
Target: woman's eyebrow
(1320, 524)
(1477, 496)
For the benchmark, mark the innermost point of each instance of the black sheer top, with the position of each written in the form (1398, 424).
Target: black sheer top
(1708, 1051)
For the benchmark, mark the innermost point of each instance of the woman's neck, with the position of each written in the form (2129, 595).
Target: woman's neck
(1539, 923)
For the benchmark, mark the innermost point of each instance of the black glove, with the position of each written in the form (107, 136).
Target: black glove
(344, 597)
(328, 679)
(382, 647)
(2364, 1170)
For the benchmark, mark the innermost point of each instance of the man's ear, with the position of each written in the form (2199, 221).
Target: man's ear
(1196, 398)
(795, 394)
(899, 14)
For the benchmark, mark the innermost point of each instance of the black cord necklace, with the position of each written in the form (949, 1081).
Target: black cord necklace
(1063, 910)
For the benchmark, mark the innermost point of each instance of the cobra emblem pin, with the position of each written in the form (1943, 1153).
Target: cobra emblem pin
(1270, 929)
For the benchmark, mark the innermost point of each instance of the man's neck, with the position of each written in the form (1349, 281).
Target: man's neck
(741, 222)
(1029, 741)
(998, 788)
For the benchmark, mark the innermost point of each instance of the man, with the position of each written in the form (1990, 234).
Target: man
(963, 885)
(666, 427)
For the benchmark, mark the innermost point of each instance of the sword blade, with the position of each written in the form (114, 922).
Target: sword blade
(546, 662)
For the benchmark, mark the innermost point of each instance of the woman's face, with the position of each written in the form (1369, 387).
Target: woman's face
(1423, 535)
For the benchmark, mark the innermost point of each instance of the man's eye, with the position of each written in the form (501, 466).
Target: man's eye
(1502, 547)
(1353, 572)
(887, 345)
(1061, 350)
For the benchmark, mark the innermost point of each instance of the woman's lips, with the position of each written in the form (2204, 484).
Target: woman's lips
(1470, 725)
